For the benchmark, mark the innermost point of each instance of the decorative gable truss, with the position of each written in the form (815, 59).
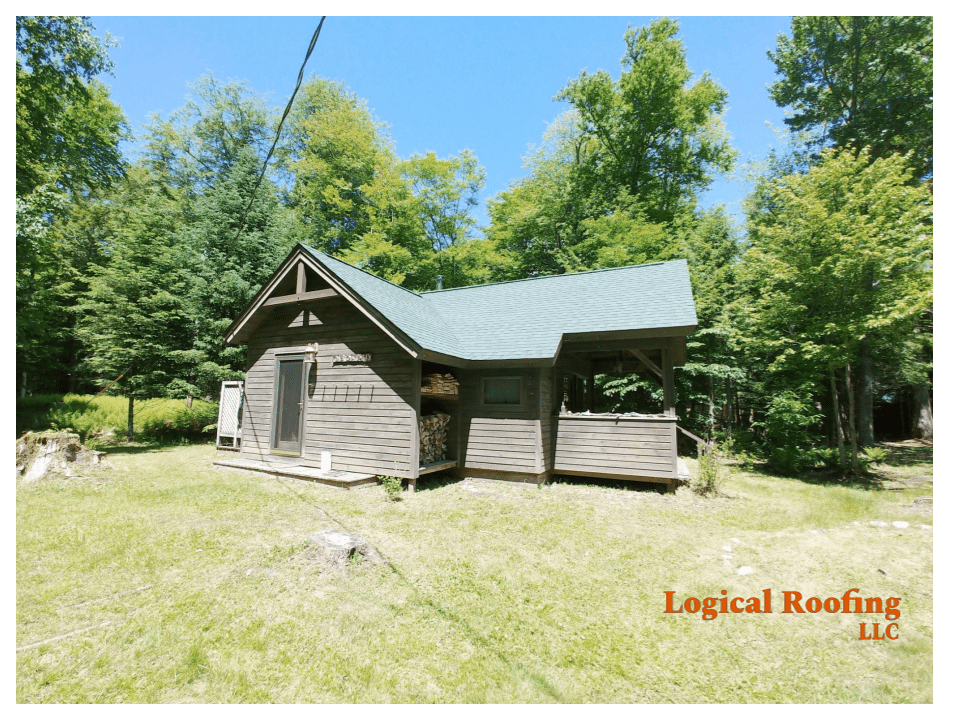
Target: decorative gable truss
(300, 280)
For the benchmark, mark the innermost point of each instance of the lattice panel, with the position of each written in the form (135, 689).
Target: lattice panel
(228, 423)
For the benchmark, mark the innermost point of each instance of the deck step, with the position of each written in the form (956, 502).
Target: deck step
(337, 478)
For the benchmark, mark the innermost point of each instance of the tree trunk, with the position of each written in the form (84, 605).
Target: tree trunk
(710, 380)
(23, 385)
(130, 419)
(922, 412)
(865, 392)
(837, 425)
(854, 460)
(728, 407)
(904, 422)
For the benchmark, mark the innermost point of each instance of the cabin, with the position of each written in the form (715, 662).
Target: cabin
(350, 377)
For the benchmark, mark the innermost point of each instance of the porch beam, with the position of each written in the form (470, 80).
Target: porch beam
(613, 345)
(300, 297)
(574, 365)
(647, 362)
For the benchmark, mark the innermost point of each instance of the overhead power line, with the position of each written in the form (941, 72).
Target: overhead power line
(286, 111)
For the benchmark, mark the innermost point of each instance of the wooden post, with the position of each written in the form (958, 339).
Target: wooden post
(301, 279)
(415, 433)
(666, 365)
(130, 419)
(591, 396)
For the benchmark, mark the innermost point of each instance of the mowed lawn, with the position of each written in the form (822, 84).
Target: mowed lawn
(200, 585)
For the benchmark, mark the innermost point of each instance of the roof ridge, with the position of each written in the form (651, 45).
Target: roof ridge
(546, 277)
(332, 257)
(427, 306)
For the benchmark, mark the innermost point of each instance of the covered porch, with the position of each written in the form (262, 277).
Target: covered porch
(625, 445)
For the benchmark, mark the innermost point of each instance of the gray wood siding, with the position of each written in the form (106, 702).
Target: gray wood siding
(363, 413)
(493, 438)
(608, 446)
(547, 411)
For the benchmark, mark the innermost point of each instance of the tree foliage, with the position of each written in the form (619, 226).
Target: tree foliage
(68, 135)
(652, 134)
(199, 143)
(618, 173)
(137, 270)
(136, 316)
(233, 260)
(865, 81)
(68, 131)
(837, 254)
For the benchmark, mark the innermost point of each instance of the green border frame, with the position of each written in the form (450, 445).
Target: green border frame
(944, 14)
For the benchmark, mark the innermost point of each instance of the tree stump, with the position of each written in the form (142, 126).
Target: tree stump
(40, 454)
(340, 546)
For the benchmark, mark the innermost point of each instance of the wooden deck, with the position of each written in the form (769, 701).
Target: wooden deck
(337, 478)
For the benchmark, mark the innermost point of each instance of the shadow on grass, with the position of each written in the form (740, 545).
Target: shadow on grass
(440, 480)
(869, 479)
(138, 448)
(435, 481)
(632, 485)
(908, 452)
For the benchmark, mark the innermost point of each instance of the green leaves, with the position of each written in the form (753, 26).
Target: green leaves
(68, 131)
(136, 314)
(618, 173)
(656, 136)
(867, 81)
(839, 253)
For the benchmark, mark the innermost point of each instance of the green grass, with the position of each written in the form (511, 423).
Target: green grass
(103, 419)
(496, 592)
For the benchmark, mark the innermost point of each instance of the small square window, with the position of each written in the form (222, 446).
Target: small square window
(502, 391)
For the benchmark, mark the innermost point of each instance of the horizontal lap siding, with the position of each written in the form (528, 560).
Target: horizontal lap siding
(362, 413)
(547, 384)
(507, 441)
(630, 448)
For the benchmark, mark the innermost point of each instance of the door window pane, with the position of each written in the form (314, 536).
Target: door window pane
(289, 398)
(502, 391)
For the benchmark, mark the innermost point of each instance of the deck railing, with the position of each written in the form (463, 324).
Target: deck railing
(616, 446)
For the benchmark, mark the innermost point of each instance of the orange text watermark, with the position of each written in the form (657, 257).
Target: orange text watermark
(794, 603)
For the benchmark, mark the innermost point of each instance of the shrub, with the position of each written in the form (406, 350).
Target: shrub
(708, 478)
(186, 423)
(99, 416)
(790, 433)
(875, 455)
(393, 486)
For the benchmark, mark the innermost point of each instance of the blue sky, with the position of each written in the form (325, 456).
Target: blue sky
(442, 84)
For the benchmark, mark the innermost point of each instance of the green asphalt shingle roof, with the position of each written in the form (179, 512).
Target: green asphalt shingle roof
(527, 319)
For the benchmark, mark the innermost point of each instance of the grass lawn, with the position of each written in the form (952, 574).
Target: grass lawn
(200, 585)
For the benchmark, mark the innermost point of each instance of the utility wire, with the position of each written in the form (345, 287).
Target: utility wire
(286, 111)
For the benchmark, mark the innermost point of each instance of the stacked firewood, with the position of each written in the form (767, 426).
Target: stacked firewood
(440, 384)
(433, 437)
